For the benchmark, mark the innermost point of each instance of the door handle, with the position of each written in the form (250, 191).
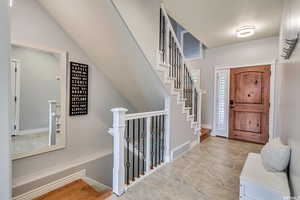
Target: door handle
(231, 102)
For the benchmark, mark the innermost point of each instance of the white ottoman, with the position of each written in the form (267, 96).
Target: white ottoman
(258, 184)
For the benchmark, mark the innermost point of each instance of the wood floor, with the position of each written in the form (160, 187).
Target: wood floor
(210, 171)
(77, 190)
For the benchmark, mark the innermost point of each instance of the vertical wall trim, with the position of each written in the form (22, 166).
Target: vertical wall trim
(168, 132)
(5, 106)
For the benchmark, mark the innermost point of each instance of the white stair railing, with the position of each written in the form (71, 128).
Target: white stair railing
(142, 140)
(171, 56)
(140, 146)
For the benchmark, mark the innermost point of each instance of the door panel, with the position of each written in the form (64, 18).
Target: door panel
(249, 103)
(247, 121)
(249, 87)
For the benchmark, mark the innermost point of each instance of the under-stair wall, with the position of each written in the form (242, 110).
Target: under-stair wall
(88, 144)
(100, 31)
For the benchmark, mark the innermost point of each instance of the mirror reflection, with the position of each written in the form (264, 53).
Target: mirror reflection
(36, 85)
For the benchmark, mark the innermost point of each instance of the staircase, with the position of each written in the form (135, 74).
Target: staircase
(142, 141)
(175, 74)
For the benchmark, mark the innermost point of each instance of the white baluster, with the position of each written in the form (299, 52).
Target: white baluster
(52, 123)
(167, 44)
(119, 144)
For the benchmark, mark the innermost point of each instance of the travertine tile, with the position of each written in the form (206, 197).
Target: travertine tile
(210, 171)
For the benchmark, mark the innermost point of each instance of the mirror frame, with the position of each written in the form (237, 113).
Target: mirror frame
(63, 90)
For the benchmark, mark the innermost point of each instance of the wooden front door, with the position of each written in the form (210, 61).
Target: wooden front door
(250, 103)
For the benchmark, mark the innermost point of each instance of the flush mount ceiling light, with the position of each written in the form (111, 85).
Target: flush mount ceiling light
(11, 3)
(245, 31)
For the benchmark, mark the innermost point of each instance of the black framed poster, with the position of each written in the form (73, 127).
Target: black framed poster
(79, 78)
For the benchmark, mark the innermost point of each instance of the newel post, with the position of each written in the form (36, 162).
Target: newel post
(119, 126)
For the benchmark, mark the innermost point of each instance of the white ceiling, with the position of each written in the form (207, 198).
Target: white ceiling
(214, 22)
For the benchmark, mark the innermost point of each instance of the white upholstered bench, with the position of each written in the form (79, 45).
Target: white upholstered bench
(258, 184)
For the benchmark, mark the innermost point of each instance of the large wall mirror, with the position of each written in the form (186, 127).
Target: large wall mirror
(38, 91)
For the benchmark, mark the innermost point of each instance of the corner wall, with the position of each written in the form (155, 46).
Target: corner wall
(245, 53)
(88, 143)
(5, 172)
(289, 106)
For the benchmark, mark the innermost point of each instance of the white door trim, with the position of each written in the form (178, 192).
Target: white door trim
(273, 97)
(214, 132)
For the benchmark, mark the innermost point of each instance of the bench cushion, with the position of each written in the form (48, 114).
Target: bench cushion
(267, 184)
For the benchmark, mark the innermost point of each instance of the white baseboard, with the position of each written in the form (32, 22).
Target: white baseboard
(182, 149)
(57, 169)
(193, 144)
(91, 181)
(51, 186)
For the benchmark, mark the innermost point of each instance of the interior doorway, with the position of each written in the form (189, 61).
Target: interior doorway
(242, 103)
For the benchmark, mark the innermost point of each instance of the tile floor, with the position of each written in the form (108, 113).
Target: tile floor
(210, 171)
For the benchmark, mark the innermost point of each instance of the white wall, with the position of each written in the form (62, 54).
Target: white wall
(246, 53)
(191, 46)
(289, 107)
(87, 137)
(5, 172)
(142, 19)
(180, 128)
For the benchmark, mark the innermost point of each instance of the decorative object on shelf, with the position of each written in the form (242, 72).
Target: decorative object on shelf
(289, 47)
(78, 89)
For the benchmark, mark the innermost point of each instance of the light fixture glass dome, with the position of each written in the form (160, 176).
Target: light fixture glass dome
(245, 31)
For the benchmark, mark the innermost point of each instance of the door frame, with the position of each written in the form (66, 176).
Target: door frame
(214, 132)
(273, 97)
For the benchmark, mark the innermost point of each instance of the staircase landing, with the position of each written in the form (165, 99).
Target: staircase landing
(77, 190)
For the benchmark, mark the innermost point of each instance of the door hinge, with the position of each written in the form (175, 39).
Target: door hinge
(15, 127)
(16, 98)
(16, 69)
